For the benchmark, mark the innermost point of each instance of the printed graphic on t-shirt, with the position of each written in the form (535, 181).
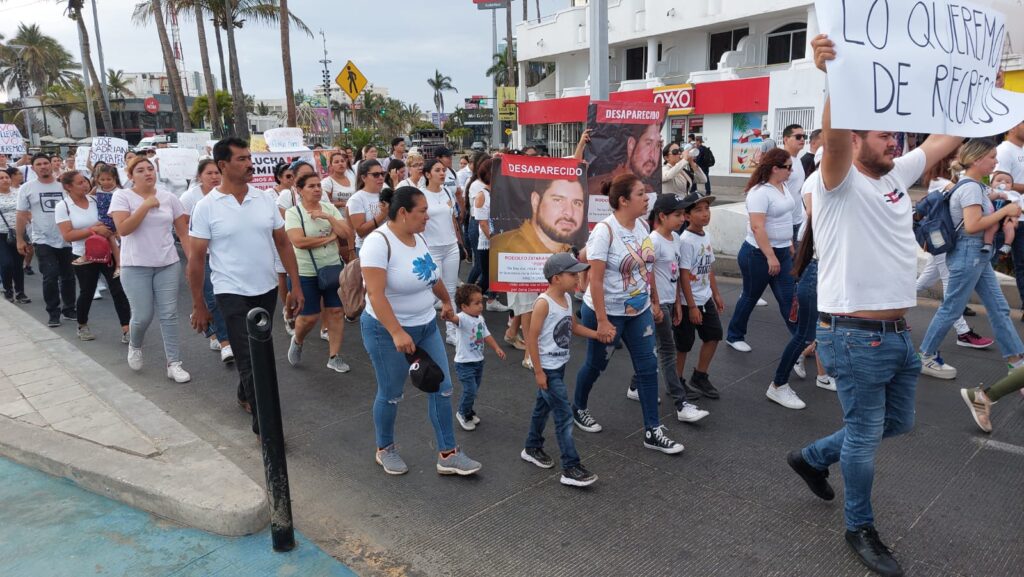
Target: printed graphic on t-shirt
(894, 197)
(425, 269)
(563, 333)
(48, 200)
(699, 272)
(476, 343)
(633, 269)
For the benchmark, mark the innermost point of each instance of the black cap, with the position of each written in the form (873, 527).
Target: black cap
(424, 373)
(562, 262)
(442, 151)
(668, 203)
(693, 198)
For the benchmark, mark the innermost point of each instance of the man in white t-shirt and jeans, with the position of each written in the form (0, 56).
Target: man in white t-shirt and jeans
(793, 142)
(1010, 159)
(867, 258)
(241, 229)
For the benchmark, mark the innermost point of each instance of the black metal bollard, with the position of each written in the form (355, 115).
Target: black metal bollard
(268, 414)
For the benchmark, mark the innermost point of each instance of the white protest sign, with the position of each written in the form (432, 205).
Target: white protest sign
(263, 164)
(82, 158)
(109, 150)
(11, 141)
(916, 66)
(192, 140)
(284, 139)
(177, 165)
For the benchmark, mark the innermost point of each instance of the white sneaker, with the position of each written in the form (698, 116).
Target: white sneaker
(690, 413)
(289, 324)
(799, 369)
(495, 306)
(214, 345)
(323, 335)
(740, 346)
(180, 375)
(632, 394)
(784, 396)
(762, 303)
(466, 424)
(826, 382)
(451, 339)
(98, 295)
(227, 355)
(134, 358)
(933, 366)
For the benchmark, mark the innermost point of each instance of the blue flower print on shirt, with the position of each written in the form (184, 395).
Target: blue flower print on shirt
(425, 269)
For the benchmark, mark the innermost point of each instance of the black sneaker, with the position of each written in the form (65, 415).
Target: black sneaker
(586, 422)
(969, 312)
(29, 271)
(54, 321)
(817, 480)
(70, 316)
(655, 439)
(538, 457)
(22, 299)
(578, 476)
(700, 382)
(691, 393)
(9, 296)
(866, 543)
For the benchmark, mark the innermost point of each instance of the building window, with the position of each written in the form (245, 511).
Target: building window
(636, 63)
(722, 42)
(787, 43)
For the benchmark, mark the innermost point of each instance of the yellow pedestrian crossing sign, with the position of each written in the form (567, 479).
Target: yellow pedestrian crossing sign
(351, 80)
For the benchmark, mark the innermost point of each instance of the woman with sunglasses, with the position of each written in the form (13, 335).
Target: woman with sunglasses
(364, 211)
(679, 173)
(765, 258)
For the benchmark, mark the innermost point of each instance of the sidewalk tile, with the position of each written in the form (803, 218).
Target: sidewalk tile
(85, 406)
(16, 409)
(58, 397)
(27, 362)
(34, 419)
(39, 375)
(47, 385)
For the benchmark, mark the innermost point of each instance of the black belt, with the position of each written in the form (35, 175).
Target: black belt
(897, 326)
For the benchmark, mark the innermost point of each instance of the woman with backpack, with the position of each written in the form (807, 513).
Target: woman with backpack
(150, 267)
(970, 265)
(78, 219)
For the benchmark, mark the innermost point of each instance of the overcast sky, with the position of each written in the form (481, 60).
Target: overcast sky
(396, 43)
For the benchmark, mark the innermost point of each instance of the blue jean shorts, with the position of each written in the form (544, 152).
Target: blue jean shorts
(312, 293)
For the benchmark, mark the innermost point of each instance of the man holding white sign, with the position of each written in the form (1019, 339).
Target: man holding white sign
(862, 229)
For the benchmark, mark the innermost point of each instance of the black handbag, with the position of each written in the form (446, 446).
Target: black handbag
(12, 233)
(327, 277)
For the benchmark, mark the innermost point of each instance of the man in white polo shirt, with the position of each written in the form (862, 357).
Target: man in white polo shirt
(867, 257)
(241, 227)
(1010, 159)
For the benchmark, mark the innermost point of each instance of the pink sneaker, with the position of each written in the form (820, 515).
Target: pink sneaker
(973, 340)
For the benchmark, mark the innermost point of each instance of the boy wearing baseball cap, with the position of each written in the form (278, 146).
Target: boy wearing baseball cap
(547, 342)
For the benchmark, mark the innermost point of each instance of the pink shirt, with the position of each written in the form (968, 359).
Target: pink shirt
(151, 244)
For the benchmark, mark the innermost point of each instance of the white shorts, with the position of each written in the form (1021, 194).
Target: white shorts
(521, 303)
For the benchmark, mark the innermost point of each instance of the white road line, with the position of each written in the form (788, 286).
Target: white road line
(1000, 446)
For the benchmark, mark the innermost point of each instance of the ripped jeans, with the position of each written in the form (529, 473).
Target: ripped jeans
(637, 332)
(392, 370)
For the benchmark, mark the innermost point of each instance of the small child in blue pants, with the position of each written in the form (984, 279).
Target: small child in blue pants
(471, 336)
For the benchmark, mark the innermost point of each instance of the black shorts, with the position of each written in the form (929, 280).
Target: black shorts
(710, 330)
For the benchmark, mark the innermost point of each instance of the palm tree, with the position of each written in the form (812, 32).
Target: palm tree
(510, 57)
(45, 61)
(440, 84)
(201, 109)
(74, 11)
(117, 84)
(155, 10)
(64, 100)
(262, 109)
(286, 61)
(199, 8)
(499, 70)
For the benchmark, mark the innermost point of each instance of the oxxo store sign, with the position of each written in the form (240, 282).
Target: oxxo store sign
(679, 98)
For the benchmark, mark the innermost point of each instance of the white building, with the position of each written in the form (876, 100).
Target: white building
(144, 84)
(733, 68)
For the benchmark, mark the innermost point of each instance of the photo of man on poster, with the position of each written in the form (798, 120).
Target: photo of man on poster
(624, 137)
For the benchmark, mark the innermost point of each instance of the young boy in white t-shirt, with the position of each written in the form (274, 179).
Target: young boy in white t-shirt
(471, 335)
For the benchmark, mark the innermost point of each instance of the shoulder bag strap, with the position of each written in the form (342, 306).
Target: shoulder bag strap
(386, 241)
(302, 223)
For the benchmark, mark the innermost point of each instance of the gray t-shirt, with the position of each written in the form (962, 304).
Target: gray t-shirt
(970, 193)
(42, 200)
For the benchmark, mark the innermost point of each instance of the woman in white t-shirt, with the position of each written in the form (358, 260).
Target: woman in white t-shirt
(364, 211)
(414, 171)
(78, 219)
(765, 258)
(617, 305)
(150, 268)
(970, 264)
(401, 280)
(340, 183)
(442, 234)
(395, 173)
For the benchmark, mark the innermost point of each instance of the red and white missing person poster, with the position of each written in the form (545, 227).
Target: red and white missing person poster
(538, 207)
(624, 137)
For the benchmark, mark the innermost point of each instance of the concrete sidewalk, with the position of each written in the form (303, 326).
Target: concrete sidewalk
(52, 528)
(64, 414)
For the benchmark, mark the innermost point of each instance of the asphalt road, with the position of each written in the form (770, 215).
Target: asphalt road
(947, 497)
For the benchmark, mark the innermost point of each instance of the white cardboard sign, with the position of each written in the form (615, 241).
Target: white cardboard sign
(11, 141)
(284, 139)
(82, 157)
(918, 66)
(109, 150)
(177, 165)
(193, 140)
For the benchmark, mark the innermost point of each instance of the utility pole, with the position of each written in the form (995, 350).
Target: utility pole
(495, 123)
(327, 92)
(23, 92)
(103, 69)
(597, 20)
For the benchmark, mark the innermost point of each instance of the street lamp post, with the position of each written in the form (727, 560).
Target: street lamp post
(597, 20)
(327, 92)
(23, 91)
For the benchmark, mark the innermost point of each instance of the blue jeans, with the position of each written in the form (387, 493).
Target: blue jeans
(392, 370)
(754, 268)
(554, 400)
(971, 271)
(806, 319)
(1018, 258)
(876, 375)
(470, 375)
(217, 326)
(480, 274)
(638, 334)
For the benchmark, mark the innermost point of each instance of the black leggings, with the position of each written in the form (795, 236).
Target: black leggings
(11, 267)
(88, 276)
